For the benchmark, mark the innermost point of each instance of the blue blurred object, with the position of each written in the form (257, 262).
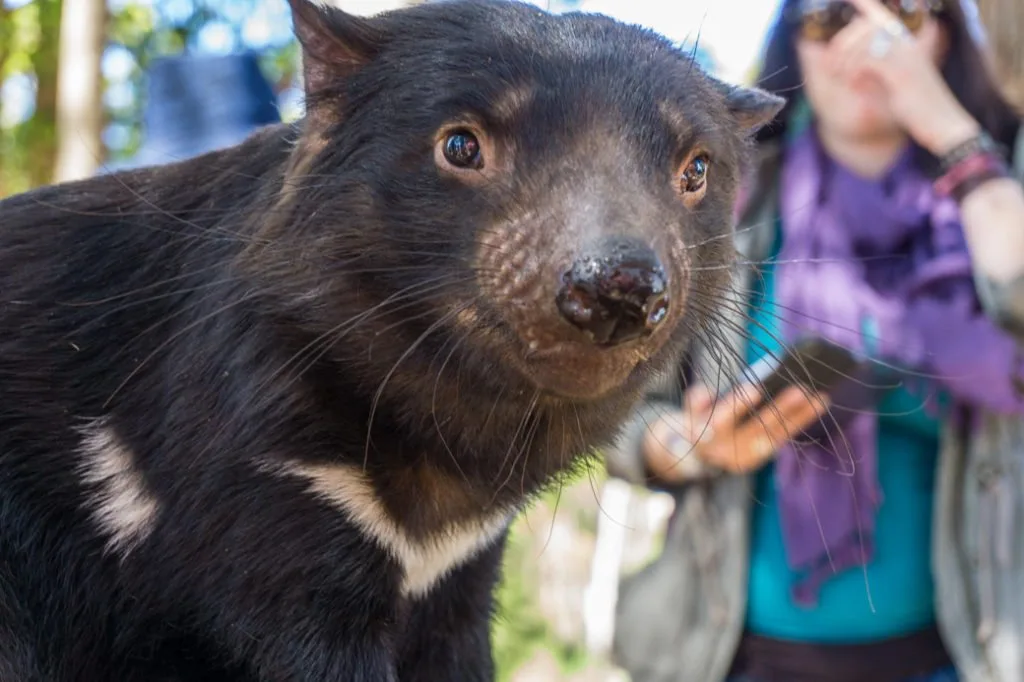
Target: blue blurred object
(199, 103)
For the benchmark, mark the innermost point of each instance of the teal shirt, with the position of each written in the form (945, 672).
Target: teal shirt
(898, 582)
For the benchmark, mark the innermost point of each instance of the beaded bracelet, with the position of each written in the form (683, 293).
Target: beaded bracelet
(969, 173)
(982, 143)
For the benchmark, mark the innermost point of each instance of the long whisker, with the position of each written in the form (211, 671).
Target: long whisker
(444, 319)
(192, 325)
(433, 403)
(528, 413)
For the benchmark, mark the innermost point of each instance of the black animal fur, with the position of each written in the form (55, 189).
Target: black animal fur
(328, 294)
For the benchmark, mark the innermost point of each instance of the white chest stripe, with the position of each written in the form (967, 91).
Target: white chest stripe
(122, 507)
(423, 563)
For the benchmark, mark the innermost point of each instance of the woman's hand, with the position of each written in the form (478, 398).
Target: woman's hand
(876, 47)
(908, 72)
(716, 433)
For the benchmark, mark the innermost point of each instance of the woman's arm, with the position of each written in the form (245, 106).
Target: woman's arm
(993, 221)
(992, 213)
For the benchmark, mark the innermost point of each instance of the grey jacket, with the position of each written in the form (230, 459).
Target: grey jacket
(681, 617)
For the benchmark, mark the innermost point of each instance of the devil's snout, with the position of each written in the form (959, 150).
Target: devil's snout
(615, 294)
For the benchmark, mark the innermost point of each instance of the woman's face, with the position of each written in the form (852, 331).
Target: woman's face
(849, 102)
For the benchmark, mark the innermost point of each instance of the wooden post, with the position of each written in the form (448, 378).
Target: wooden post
(80, 90)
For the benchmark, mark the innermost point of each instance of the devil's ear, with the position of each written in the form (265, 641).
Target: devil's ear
(752, 108)
(334, 43)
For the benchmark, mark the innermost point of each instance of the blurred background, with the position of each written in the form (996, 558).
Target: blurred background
(91, 85)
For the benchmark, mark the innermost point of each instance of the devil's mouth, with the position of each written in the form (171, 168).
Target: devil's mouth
(559, 361)
(576, 370)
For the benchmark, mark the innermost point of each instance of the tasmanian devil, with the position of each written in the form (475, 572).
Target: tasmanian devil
(266, 414)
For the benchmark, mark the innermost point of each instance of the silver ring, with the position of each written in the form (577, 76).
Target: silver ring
(896, 29)
(881, 43)
(883, 39)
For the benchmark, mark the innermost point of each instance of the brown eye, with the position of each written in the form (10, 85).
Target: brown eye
(695, 175)
(462, 150)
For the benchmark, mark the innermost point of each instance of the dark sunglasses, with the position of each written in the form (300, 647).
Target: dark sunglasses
(821, 20)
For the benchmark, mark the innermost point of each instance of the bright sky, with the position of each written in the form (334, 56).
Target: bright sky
(731, 30)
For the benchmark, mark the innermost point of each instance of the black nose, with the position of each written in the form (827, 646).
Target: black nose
(617, 295)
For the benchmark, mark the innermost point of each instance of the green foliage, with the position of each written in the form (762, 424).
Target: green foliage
(22, 33)
(146, 36)
(30, 49)
(130, 27)
(520, 630)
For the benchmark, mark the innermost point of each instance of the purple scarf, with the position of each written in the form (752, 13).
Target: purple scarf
(883, 255)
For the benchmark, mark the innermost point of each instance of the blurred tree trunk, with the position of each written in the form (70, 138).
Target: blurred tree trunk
(79, 92)
(1004, 22)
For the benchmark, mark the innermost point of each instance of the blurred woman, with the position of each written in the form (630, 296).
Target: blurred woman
(876, 541)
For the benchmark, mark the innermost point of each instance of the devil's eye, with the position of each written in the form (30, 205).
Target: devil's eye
(462, 150)
(695, 174)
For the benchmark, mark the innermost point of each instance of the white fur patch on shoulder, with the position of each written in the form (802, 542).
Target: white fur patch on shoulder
(424, 563)
(119, 502)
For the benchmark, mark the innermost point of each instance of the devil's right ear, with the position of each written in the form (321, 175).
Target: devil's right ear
(751, 107)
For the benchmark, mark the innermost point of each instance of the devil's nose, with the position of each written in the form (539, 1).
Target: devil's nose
(618, 294)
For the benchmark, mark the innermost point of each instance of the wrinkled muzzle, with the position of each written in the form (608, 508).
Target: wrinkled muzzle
(588, 294)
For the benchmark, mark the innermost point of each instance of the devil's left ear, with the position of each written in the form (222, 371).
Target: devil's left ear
(334, 44)
(751, 108)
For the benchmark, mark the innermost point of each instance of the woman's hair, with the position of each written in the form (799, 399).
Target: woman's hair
(965, 71)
